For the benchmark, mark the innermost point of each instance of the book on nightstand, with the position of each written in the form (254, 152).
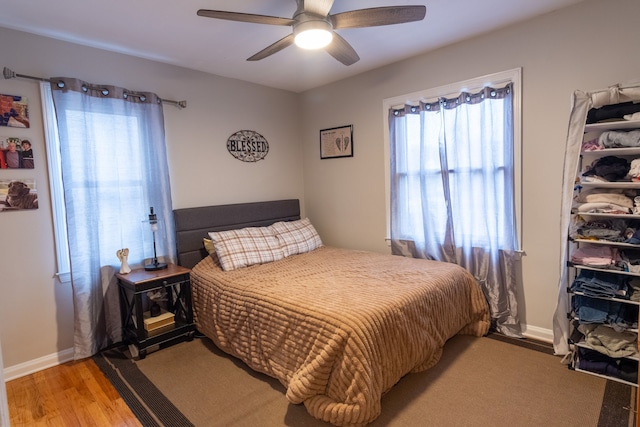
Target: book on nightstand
(160, 330)
(165, 318)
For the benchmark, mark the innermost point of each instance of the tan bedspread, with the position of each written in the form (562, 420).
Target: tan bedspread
(337, 327)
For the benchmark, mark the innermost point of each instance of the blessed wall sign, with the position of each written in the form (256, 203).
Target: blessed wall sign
(248, 146)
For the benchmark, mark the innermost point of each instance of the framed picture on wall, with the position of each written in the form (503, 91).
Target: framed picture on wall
(16, 153)
(18, 194)
(336, 142)
(14, 111)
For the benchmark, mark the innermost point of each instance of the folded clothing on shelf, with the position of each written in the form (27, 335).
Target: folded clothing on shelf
(593, 361)
(610, 168)
(600, 284)
(619, 139)
(596, 256)
(619, 315)
(612, 111)
(610, 342)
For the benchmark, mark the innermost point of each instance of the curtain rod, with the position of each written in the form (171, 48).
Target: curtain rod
(9, 74)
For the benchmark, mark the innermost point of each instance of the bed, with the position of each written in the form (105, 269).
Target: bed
(338, 328)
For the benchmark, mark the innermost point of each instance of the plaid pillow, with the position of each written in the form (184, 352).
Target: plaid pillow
(245, 247)
(296, 237)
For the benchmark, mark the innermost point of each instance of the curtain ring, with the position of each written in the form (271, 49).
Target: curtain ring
(143, 98)
(60, 84)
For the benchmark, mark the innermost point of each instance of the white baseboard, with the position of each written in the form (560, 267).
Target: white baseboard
(35, 365)
(537, 333)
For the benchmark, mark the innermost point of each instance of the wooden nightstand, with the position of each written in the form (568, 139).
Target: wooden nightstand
(138, 327)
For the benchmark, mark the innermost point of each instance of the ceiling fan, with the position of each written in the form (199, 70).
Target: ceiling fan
(313, 26)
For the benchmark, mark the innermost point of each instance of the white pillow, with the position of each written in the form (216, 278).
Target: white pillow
(296, 237)
(245, 247)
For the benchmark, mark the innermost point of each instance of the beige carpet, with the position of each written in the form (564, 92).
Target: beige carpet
(478, 382)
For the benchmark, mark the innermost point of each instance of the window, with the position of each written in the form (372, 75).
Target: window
(420, 175)
(119, 176)
(454, 187)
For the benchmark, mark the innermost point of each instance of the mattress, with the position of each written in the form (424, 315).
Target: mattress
(338, 328)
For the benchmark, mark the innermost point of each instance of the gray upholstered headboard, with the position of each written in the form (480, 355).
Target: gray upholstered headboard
(193, 224)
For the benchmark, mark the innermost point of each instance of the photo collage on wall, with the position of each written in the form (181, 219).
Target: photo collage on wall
(16, 152)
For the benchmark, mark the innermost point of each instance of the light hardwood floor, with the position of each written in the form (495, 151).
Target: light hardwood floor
(71, 394)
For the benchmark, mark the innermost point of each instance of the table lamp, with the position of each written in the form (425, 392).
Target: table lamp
(154, 264)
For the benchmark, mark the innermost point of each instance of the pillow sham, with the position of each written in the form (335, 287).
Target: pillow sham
(208, 246)
(296, 237)
(211, 250)
(245, 247)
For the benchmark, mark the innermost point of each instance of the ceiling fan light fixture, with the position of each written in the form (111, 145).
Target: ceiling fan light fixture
(313, 34)
(313, 26)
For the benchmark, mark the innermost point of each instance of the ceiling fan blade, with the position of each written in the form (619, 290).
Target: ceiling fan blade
(377, 16)
(318, 7)
(274, 48)
(245, 17)
(340, 49)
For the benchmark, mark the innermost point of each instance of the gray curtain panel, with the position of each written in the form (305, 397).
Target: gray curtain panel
(114, 168)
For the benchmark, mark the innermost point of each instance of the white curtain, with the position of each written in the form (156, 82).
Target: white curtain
(582, 103)
(114, 168)
(452, 191)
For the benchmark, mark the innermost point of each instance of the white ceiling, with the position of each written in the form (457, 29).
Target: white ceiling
(171, 32)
